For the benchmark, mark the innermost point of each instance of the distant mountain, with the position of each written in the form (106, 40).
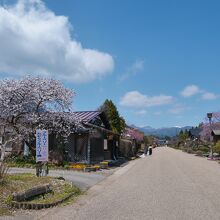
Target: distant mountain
(162, 132)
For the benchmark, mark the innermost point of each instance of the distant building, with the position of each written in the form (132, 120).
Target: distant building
(130, 142)
(216, 135)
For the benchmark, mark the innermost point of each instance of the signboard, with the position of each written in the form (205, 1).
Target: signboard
(41, 145)
(105, 144)
(26, 150)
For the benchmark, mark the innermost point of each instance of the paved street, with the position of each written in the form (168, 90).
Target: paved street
(83, 180)
(168, 185)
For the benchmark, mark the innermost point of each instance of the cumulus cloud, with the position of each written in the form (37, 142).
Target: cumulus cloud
(36, 41)
(137, 66)
(209, 96)
(136, 99)
(190, 90)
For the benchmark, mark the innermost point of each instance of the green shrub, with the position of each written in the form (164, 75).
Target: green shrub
(216, 148)
(204, 149)
(21, 161)
(199, 153)
(188, 150)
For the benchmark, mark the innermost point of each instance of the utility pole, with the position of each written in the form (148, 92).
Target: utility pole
(209, 115)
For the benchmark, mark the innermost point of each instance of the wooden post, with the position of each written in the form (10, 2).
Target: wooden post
(38, 169)
(42, 169)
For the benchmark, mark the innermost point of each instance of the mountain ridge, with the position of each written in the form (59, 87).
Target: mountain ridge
(162, 132)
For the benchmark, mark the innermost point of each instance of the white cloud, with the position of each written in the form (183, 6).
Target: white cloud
(136, 99)
(36, 41)
(192, 90)
(189, 91)
(137, 66)
(209, 96)
(141, 112)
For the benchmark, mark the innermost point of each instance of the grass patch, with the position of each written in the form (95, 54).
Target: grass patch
(30, 162)
(59, 192)
(4, 211)
(21, 182)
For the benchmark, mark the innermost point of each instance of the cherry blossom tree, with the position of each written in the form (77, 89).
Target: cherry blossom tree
(133, 133)
(207, 128)
(34, 103)
(205, 134)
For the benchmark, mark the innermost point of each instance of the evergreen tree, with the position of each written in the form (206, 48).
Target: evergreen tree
(183, 135)
(116, 121)
(146, 140)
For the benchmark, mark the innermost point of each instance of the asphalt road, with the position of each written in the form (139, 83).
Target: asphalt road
(168, 185)
(83, 180)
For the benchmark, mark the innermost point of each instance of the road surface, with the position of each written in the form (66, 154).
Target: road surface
(168, 185)
(83, 180)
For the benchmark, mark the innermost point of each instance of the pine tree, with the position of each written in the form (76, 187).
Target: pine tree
(116, 121)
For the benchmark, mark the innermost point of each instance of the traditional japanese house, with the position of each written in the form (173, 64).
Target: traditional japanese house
(216, 135)
(95, 142)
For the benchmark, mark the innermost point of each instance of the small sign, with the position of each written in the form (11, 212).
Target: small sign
(41, 145)
(26, 150)
(105, 144)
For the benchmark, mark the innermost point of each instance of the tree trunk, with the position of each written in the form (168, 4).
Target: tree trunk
(3, 148)
(37, 190)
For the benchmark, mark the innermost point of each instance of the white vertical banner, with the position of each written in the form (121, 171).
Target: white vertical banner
(41, 145)
(105, 144)
(26, 150)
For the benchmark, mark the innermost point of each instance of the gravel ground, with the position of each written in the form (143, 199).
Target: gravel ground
(168, 185)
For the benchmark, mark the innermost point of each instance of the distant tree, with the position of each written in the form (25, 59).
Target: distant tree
(146, 140)
(122, 124)
(34, 103)
(167, 138)
(183, 135)
(133, 133)
(180, 133)
(116, 121)
(150, 139)
(200, 125)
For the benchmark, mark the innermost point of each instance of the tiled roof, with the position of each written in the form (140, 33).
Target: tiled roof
(216, 132)
(86, 116)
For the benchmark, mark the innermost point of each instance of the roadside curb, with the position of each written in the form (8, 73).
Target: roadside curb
(37, 206)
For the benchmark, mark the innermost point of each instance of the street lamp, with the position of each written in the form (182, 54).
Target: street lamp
(209, 116)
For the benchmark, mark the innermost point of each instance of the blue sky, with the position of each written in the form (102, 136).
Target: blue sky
(157, 60)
